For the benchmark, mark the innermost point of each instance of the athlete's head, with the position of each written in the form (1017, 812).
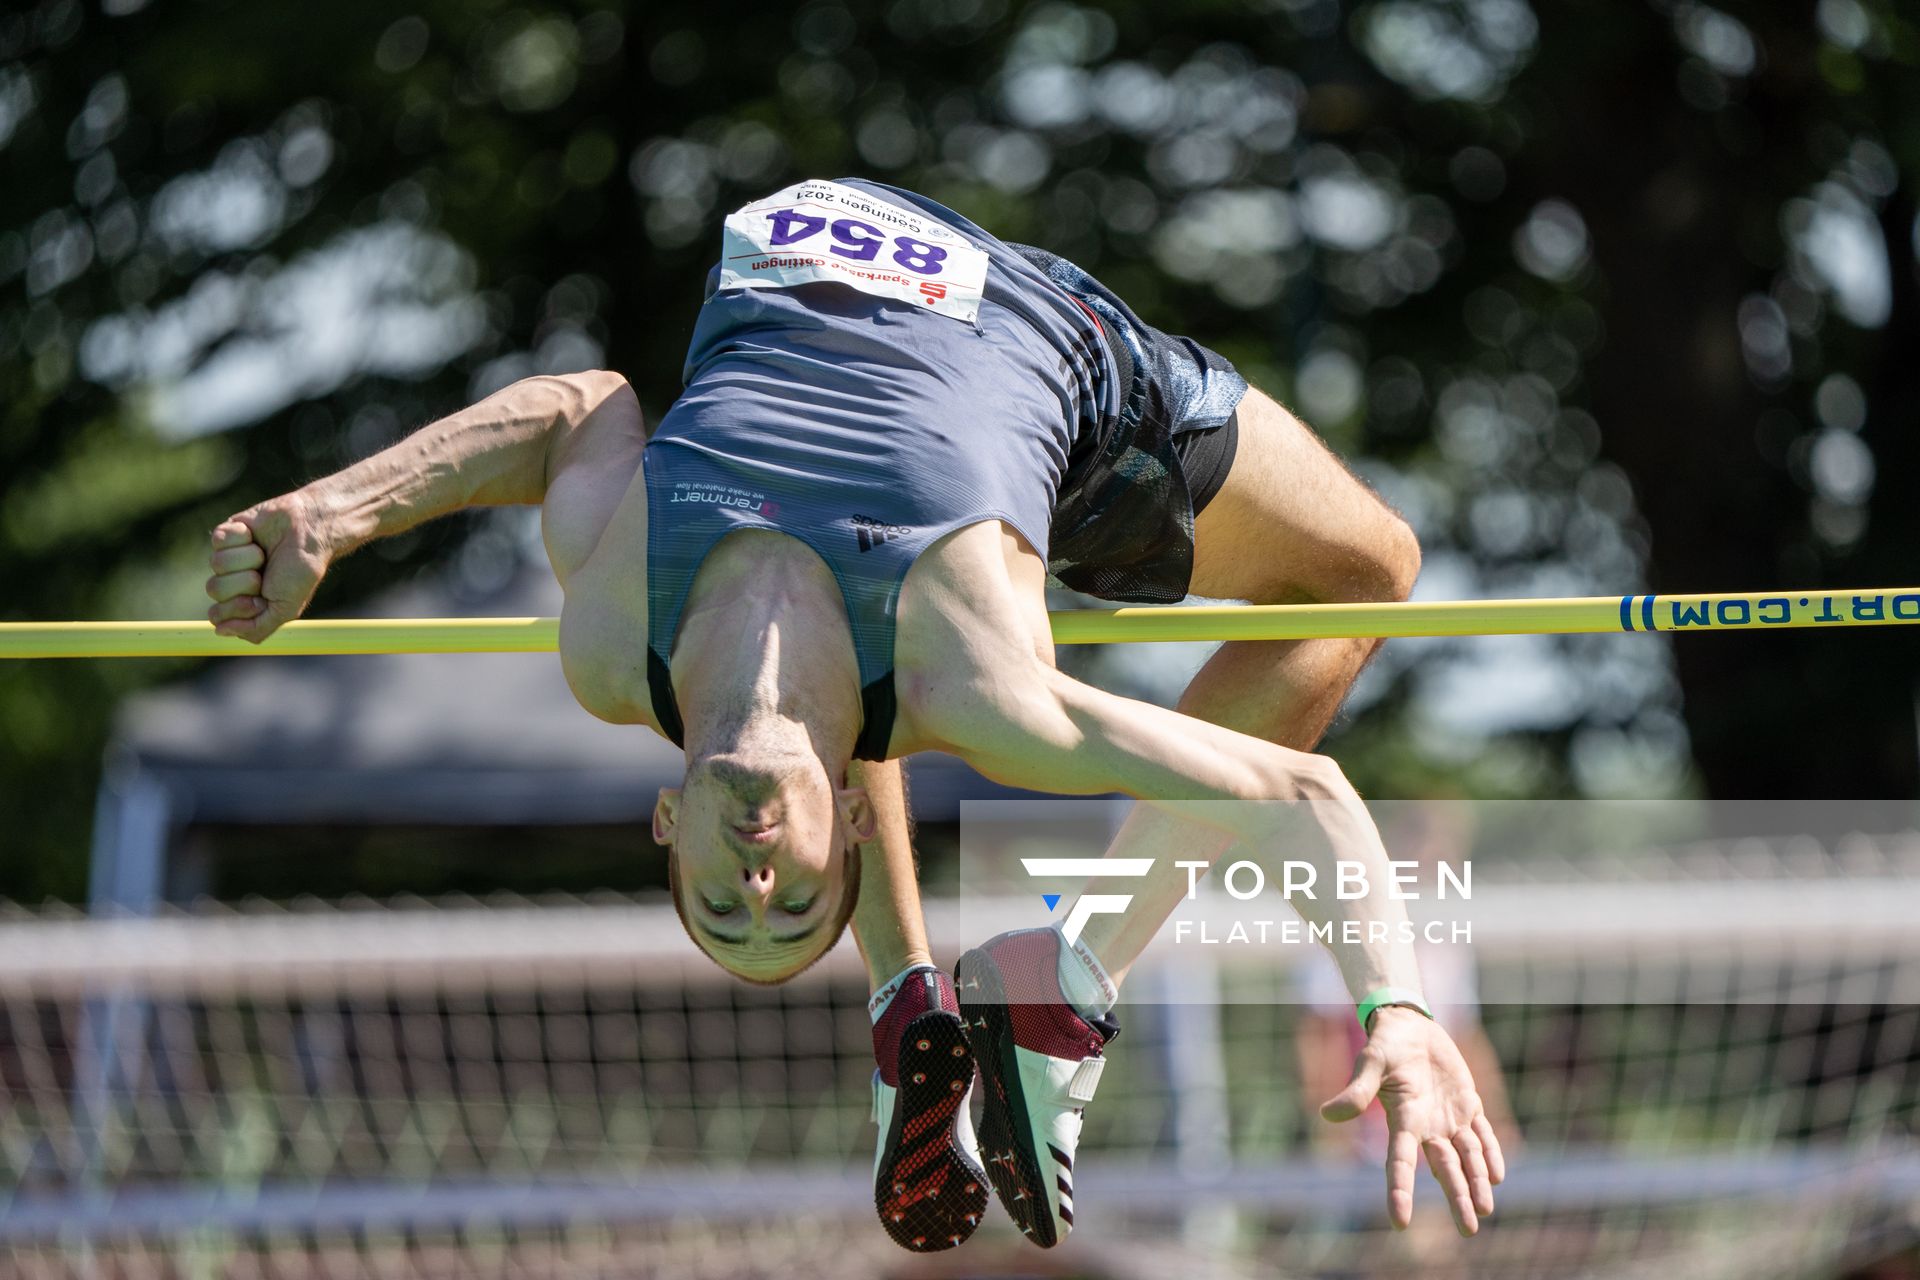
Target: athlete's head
(761, 859)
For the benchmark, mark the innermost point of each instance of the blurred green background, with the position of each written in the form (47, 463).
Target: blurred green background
(1605, 295)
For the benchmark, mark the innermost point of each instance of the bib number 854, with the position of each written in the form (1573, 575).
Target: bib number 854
(856, 240)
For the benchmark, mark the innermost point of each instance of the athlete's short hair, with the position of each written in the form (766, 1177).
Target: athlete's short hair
(849, 899)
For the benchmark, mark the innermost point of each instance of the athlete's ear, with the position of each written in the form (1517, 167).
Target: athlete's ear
(666, 814)
(857, 812)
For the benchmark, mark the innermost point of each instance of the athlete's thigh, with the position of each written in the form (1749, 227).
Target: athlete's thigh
(1292, 523)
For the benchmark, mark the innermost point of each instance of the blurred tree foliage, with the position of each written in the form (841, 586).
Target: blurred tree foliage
(1605, 294)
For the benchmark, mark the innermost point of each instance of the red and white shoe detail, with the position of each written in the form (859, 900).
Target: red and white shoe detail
(1040, 1063)
(928, 1186)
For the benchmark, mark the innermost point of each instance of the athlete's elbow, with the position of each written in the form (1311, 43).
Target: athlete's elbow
(599, 385)
(566, 399)
(1301, 776)
(585, 393)
(1288, 787)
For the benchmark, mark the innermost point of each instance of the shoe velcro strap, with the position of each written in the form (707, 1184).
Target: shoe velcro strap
(1085, 1080)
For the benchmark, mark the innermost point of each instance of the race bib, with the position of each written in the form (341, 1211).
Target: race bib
(822, 231)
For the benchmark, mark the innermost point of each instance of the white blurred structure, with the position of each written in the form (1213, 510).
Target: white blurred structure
(417, 1088)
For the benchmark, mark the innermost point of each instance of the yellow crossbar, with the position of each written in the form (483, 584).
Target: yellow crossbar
(1752, 611)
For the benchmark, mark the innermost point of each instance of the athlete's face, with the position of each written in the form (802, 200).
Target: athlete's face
(762, 853)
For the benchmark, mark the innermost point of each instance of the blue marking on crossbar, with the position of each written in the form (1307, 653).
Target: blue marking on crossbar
(1646, 613)
(1626, 613)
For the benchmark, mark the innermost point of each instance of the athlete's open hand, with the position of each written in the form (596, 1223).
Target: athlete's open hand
(1432, 1108)
(266, 561)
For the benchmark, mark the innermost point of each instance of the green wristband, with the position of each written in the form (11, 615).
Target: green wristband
(1378, 1000)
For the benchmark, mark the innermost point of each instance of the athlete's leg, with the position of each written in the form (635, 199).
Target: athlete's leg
(1291, 525)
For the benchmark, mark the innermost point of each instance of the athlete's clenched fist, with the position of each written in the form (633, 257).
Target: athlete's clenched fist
(266, 561)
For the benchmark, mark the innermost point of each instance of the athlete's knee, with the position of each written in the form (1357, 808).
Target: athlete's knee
(1381, 564)
(1398, 560)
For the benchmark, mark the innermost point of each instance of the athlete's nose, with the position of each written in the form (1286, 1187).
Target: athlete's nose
(757, 880)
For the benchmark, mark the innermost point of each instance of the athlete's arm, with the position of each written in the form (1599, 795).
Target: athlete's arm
(1047, 731)
(1031, 726)
(268, 559)
(888, 925)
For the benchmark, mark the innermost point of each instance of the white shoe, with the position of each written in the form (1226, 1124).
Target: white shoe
(1040, 1062)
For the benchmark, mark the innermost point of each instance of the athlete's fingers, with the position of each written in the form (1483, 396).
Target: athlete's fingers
(1444, 1161)
(247, 555)
(1474, 1162)
(253, 630)
(231, 532)
(225, 586)
(230, 613)
(1490, 1144)
(1368, 1071)
(272, 616)
(1403, 1164)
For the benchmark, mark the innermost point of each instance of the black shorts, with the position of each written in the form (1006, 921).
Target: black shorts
(1123, 519)
(1206, 455)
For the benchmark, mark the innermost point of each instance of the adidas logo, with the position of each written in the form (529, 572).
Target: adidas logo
(872, 533)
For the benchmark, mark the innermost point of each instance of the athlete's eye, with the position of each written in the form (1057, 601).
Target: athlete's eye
(797, 908)
(721, 908)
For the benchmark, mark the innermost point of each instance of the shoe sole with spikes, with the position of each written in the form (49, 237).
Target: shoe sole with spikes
(929, 1190)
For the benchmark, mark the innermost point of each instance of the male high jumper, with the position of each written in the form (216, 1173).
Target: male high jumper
(833, 551)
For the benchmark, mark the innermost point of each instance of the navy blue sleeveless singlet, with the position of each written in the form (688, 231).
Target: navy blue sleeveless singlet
(869, 428)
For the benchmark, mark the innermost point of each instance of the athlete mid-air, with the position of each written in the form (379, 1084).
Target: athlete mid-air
(833, 551)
